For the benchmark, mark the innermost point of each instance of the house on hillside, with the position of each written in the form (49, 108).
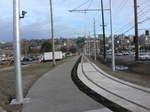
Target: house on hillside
(5, 53)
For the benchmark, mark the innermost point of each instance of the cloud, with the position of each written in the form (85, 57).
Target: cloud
(36, 24)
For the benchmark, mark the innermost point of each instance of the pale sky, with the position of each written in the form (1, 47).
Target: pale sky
(36, 24)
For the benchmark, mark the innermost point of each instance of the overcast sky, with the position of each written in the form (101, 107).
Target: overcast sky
(36, 24)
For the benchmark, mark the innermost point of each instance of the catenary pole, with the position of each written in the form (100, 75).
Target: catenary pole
(94, 41)
(89, 44)
(112, 37)
(17, 52)
(52, 33)
(85, 35)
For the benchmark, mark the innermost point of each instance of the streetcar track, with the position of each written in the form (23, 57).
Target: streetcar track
(113, 80)
(117, 80)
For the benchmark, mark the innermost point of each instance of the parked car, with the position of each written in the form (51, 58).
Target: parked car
(27, 59)
(125, 52)
(68, 54)
(118, 54)
(144, 56)
(6, 59)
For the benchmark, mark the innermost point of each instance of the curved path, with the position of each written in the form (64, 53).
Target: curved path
(130, 96)
(56, 92)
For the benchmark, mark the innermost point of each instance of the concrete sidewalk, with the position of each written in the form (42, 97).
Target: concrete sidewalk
(56, 92)
(130, 96)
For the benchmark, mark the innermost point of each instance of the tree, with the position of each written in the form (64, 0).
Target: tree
(30, 50)
(25, 46)
(73, 49)
(64, 49)
(46, 47)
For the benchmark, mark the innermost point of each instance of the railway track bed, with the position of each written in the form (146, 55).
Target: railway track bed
(130, 96)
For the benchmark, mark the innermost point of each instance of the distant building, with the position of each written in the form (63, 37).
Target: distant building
(3, 42)
(89, 44)
(5, 53)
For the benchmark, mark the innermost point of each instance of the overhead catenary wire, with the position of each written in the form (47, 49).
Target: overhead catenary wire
(89, 5)
(40, 24)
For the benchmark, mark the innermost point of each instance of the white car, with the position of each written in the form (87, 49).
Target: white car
(144, 57)
(125, 53)
(119, 54)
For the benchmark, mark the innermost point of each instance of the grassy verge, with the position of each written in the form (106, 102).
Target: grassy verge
(30, 74)
(138, 72)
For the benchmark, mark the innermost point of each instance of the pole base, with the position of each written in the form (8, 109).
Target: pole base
(24, 101)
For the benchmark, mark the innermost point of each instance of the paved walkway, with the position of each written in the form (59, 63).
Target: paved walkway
(56, 92)
(130, 96)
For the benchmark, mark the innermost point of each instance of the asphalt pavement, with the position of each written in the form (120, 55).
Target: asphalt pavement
(56, 92)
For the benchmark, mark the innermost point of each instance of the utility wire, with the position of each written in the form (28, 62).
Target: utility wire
(140, 16)
(113, 3)
(138, 23)
(125, 19)
(59, 4)
(143, 12)
(145, 2)
(121, 7)
(89, 6)
(81, 5)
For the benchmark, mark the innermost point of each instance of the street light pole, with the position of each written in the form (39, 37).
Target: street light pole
(52, 32)
(17, 52)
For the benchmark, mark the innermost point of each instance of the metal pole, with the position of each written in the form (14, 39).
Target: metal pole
(52, 31)
(89, 44)
(136, 32)
(94, 40)
(17, 52)
(85, 33)
(112, 37)
(103, 31)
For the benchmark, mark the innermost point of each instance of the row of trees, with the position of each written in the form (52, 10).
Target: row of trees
(47, 47)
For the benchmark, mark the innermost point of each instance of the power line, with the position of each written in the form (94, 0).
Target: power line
(121, 7)
(144, 12)
(131, 22)
(138, 23)
(125, 18)
(145, 2)
(81, 5)
(59, 4)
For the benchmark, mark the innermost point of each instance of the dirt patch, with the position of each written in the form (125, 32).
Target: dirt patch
(138, 72)
(29, 74)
